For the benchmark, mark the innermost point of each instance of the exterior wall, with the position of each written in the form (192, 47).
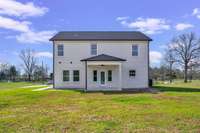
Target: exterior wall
(74, 51)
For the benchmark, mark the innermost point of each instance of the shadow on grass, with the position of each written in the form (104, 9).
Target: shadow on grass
(176, 89)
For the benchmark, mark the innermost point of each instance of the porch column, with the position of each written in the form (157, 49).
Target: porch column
(120, 77)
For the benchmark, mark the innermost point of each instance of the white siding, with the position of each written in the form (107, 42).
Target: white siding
(75, 51)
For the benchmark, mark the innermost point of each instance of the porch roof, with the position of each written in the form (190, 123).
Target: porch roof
(103, 57)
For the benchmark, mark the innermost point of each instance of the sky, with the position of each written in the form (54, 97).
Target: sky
(29, 24)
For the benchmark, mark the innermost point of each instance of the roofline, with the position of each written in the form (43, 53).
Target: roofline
(103, 60)
(90, 58)
(147, 39)
(100, 39)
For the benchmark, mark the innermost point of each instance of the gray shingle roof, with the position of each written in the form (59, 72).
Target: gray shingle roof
(103, 57)
(100, 35)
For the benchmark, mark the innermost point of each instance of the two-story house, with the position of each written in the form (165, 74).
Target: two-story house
(101, 60)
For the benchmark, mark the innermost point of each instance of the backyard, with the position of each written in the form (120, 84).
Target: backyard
(175, 109)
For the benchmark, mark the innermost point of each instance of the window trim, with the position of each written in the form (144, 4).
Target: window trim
(93, 49)
(66, 76)
(95, 76)
(135, 50)
(109, 75)
(76, 76)
(60, 50)
(132, 73)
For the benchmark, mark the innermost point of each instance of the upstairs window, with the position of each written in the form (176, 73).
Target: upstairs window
(93, 49)
(134, 50)
(132, 73)
(76, 75)
(109, 75)
(66, 75)
(95, 75)
(60, 49)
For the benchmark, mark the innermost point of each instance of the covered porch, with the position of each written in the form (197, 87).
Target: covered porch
(103, 73)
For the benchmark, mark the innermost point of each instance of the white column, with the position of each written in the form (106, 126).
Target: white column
(120, 77)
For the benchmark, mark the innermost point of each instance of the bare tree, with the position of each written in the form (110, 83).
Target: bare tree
(187, 51)
(29, 62)
(169, 58)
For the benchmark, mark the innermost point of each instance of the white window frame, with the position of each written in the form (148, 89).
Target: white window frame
(76, 76)
(110, 75)
(135, 50)
(93, 49)
(132, 74)
(66, 76)
(95, 76)
(60, 50)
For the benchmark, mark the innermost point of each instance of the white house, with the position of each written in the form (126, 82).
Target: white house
(101, 60)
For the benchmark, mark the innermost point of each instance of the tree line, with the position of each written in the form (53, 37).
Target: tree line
(31, 69)
(181, 59)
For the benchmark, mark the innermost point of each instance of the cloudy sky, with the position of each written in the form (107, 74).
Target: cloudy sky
(30, 23)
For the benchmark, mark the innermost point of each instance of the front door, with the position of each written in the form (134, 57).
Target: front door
(103, 78)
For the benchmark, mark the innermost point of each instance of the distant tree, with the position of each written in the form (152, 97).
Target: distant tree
(40, 72)
(29, 62)
(4, 71)
(187, 51)
(13, 73)
(170, 60)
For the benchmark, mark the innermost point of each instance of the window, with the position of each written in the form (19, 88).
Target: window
(93, 49)
(132, 73)
(60, 50)
(76, 75)
(134, 50)
(95, 75)
(109, 75)
(66, 75)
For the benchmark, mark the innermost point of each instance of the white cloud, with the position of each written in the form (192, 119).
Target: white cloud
(183, 26)
(155, 57)
(148, 25)
(15, 8)
(27, 35)
(196, 12)
(35, 37)
(122, 18)
(43, 54)
(11, 24)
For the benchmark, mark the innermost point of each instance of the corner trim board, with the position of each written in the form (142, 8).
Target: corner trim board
(53, 64)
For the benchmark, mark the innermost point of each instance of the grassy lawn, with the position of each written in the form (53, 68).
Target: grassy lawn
(175, 109)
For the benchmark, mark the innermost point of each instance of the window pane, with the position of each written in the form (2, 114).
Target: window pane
(76, 75)
(109, 75)
(93, 49)
(95, 75)
(60, 50)
(134, 50)
(132, 73)
(65, 75)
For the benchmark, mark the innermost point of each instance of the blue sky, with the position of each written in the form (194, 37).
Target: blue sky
(29, 24)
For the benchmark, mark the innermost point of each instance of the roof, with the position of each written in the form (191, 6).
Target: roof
(100, 35)
(103, 57)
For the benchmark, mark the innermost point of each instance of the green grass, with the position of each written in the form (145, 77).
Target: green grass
(175, 109)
